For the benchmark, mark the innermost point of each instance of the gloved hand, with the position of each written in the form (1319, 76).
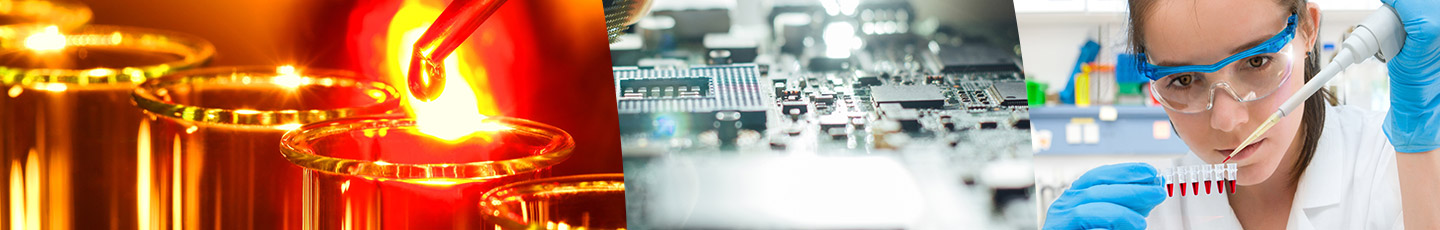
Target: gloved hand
(1117, 196)
(1413, 124)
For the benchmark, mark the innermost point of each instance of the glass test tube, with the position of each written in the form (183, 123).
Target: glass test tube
(383, 173)
(1169, 175)
(212, 135)
(1204, 176)
(1195, 179)
(1218, 173)
(1230, 171)
(595, 202)
(70, 144)
(1184, 175)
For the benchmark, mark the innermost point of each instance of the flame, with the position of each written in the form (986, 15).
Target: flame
(49, 39)
(459, 111)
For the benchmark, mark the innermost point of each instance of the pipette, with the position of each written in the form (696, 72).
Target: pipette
(460, 19)
(1381, 35)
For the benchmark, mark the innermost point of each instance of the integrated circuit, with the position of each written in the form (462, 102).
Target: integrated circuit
(688, 98)
(1011, 93)
(909, 96)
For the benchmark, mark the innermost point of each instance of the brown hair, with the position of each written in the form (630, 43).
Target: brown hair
(1312, 121)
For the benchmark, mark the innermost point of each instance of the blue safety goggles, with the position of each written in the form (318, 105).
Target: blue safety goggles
(1272, 45)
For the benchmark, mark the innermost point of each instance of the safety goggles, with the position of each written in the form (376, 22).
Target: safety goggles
(1246, 76)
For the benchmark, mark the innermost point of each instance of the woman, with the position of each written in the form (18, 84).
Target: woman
(1220, 67)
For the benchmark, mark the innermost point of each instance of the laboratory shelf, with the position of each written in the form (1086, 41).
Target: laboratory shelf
(1107, 130)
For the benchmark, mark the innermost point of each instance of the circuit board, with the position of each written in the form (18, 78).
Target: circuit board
(948, 113)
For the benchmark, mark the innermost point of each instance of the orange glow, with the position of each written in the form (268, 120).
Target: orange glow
(49, 39)
(286, 77)
(143, 175)
(457, 112)
(17, 195)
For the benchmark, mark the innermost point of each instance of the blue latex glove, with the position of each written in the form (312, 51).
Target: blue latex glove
(1117, 196)
(1413, 124)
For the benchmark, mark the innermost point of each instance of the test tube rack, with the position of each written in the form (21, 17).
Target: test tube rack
(1214, 178)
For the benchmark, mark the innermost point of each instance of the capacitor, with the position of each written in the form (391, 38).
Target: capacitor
(727, 128)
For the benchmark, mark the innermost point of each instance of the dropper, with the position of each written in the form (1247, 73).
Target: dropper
(1381, 35)
(460, 19)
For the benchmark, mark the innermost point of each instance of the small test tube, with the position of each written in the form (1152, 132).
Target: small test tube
(1230, 171)
(1183, 175)
(1195, 180)
(1219, 175)
(1194, 174)
(1207, 174)
(1169, 175)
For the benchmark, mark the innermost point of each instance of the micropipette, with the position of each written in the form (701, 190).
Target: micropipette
(1381, 35)
(460, 19)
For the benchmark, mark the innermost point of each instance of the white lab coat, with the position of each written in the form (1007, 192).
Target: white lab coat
(1351, 183)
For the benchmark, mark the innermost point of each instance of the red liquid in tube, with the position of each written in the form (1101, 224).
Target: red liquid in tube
(1196, 187)
(1207, 187)
(1171, 189)
(1182, 189)
(1232, 186)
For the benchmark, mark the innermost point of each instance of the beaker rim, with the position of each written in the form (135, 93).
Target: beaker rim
(193, 50)
(295, 146)
(586, 183)
(149, 94)
(605, 182)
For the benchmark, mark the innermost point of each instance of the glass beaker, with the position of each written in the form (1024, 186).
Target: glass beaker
(593, 201)
(383, 173)
(211, 135)
(69, 143)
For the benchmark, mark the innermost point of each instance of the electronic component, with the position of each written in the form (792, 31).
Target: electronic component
(893, 94)
(691, 96)
(737, 49)
(792, 28)
(909, 96)
(1011, 93)
(989, 125)
(977, 58)
(1021, 124)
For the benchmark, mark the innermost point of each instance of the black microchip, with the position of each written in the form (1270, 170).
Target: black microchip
(869, 80)
(909, 118)
(1022, 124)
(794, 107)
(826, 64)
(1011, 93)
(989, 125)
(977, 58)
(909, 96)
